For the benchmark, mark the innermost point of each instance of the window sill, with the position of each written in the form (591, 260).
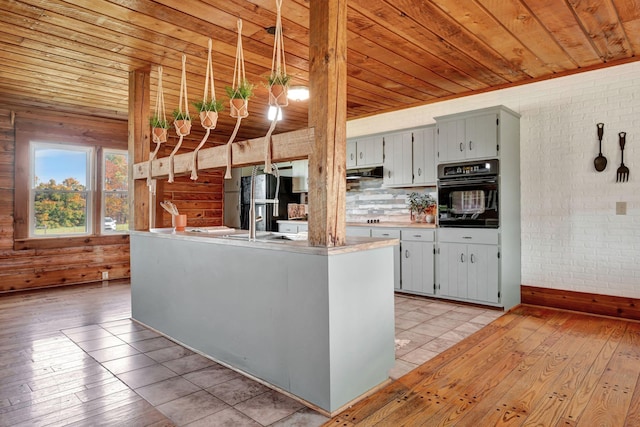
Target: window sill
(68, 242)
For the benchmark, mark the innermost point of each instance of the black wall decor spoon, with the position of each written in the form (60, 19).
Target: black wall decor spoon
(600, 162)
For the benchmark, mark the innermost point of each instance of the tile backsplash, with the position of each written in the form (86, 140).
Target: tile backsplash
(367, 199)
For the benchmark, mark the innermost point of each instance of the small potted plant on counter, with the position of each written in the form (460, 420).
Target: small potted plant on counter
(421, 207)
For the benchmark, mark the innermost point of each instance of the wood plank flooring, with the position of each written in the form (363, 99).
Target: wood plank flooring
(531, 367)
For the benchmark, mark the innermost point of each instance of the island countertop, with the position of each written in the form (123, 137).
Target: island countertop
(235, 238)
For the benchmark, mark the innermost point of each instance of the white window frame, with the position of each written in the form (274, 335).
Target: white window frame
(89, 186)
(103, 190)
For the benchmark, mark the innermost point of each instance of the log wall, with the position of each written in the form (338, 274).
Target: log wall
(35, 263)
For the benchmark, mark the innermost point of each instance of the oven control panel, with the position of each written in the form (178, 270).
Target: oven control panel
(477, 168)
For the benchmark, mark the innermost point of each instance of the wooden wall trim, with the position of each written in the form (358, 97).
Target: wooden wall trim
(607, 305)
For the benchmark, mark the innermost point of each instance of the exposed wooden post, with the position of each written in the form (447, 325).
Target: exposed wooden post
(328, 115)
(139, 145)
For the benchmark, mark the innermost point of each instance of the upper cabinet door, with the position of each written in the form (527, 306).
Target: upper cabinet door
(424, 156)
(364, 152)
(452, 144)
(351, 153)
(482, 136)
(398, 159)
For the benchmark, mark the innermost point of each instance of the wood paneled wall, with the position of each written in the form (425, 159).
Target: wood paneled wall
(36, 263)
(29, 263)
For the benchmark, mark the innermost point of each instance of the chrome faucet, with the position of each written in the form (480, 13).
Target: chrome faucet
(252, 208)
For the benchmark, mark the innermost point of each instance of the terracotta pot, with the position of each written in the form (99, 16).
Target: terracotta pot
(208, 119)
(183, 127)
(278, 95)
(159, 134)
(239, 107)
(179, 222)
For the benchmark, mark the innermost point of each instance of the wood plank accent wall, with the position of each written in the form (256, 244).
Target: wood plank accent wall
(35, 263)
(607, 305)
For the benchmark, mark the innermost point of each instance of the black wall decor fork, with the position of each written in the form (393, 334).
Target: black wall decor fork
(623, 171)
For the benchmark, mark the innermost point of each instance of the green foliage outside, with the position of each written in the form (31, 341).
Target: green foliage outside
(61, 208)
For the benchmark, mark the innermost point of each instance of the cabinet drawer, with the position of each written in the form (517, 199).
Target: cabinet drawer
(287, 228)
(417, 235)
(468, 235)
(387, 233)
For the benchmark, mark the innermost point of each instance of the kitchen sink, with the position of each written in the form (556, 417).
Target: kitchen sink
(269, 236)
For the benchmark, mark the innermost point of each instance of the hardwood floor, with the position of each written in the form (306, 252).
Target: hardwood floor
(532, 366)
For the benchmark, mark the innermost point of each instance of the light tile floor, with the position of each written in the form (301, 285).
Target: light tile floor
(192, 390)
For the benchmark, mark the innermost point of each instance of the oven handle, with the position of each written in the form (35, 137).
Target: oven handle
(467, 181)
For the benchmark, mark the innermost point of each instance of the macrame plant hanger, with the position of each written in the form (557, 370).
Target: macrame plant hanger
(278, 84)
(208, 119)
(160, 133)
(238, 111)
(183, 121)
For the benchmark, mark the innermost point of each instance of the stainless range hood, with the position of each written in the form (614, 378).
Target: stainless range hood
(371, 172)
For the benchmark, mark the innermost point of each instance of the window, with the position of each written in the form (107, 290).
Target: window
(64, 199)
(115, 197)
(61, 190)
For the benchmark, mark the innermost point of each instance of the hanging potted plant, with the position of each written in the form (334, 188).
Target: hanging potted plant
(239, 98)
(209, 112)
(278, 87)
(159, 128)
(182, 122)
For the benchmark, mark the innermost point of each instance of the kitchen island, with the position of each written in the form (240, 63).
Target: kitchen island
(315, 322)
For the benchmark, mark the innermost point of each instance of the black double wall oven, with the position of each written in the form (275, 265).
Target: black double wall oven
(468, 194)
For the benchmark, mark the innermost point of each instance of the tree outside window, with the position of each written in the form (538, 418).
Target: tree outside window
(115, 198)
(61, 189)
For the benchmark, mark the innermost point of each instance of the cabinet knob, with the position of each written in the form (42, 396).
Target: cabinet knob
(361, 155)
(406, 253)
(470, 147)
(462, 146)
(471, 259)
(351, 156)
(419, 171)
(461, 257)
(389, 174)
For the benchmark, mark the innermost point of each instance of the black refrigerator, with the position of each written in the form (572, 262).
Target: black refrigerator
(266, 189)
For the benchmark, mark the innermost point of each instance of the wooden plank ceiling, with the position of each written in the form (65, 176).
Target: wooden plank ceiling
(74, 56)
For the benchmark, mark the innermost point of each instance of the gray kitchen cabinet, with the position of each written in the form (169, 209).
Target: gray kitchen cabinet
(424, 156)
(398, 153)
(300, 176)
(468, 265)
(417, 261)
(391, 233)
(358, 231)
(468, 136)
(364, 151)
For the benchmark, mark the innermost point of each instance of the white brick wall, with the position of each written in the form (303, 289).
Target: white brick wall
(571, 237)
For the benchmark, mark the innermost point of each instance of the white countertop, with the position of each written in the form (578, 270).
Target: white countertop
(370, 225)
(353, 244)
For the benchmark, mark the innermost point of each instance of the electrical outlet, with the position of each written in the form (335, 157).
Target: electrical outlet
(105, 275)
(621, 208)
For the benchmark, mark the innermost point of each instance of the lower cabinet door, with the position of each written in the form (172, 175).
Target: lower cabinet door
(452, 270)
(417, 267)
(482, 273)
